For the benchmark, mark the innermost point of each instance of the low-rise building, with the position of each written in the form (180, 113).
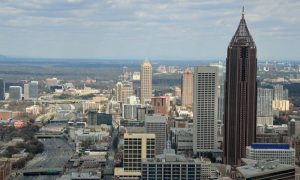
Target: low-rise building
(266, 170)
(182, 140)
(269, 151)
(130, 111)
(121, 174)
(95, 118)
(172, 166)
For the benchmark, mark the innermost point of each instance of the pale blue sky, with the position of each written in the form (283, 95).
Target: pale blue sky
(158, 29)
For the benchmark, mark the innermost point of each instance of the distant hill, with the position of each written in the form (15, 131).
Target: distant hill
(2, 56)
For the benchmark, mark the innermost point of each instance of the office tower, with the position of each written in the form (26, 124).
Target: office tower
(157, 125)
(187, 88)
(95, 118)
(161, 105)
(206, 82)
(119, 91)
(264, 106)
(182, 140)
(221, 101)
(172, 166)
(146, 82)
(270, 151)
(280, 93)
(177, 91)
(130, 111)
(51, 82)
(2, 90)
(294, 128)
(15, 93)
(33, 89)
(137, 147)
(141, 114)
(240, 95)
(124, 91)
(296, 145)
(26, 91)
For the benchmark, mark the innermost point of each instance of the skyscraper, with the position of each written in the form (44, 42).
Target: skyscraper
(206, 82)
(187, 88)
(15, 93)
(2, 90)
(157, 125)
(280, 93)
(146, 81)
(34, 89)
(136, 148)
(264, 106)
(31, 90)
(26, 91)
(240, 95)
(124, 91)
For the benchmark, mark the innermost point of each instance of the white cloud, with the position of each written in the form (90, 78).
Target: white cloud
(159, 19)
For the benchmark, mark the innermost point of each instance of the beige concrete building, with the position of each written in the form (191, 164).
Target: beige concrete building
(187, 88)
(121, 174)
(177, 91)
(124, 91)
(281, 105)
(137, 147)
(146, 81)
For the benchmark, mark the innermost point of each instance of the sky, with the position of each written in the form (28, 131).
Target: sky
(157, 29)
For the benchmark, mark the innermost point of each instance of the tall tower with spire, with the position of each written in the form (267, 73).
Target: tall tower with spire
(240, 95)
(146, 81)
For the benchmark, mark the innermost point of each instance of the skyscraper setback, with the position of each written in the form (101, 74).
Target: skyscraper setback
(240, 95)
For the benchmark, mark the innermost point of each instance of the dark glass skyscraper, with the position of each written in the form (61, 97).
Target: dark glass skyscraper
(240, 95)
(2, 90)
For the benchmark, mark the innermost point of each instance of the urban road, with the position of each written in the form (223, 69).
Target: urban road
(56, 154)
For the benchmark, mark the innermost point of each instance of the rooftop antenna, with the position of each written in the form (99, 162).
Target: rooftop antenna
(243, 12)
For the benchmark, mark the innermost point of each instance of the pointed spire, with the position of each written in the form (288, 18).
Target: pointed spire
(242, 34)
(243, 12)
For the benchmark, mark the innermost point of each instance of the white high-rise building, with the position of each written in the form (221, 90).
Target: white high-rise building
(206, 82)
(146, 82)
(124, 91)
(280, 93)
(264, 106)
(26, 91)
(269, 151)
(31, 90)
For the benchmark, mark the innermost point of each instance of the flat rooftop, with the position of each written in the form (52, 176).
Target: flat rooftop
(269, 146)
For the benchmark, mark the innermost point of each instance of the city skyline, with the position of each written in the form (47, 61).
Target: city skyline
(137, 29)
